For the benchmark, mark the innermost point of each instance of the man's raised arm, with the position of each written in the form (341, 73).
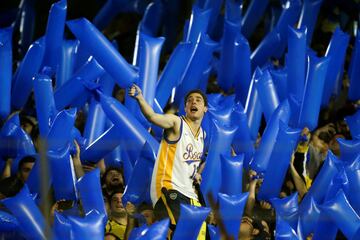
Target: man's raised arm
(165, 121)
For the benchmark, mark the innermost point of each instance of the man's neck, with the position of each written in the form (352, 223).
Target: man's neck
(194, 124)
(119, 218)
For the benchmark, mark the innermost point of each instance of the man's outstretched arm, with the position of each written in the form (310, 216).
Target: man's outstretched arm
(165, 121)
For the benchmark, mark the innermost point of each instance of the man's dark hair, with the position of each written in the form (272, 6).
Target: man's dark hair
(203, 95)
(26, 159)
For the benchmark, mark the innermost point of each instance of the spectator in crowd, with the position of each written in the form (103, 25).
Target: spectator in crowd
(112, 181)
(11, 185)
(121, 221)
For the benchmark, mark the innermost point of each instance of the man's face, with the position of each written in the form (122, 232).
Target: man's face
(113, 178)
(195, 106)
(25, 170)
(116, 204)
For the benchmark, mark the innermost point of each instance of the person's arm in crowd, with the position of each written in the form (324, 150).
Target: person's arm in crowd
(79, 171)
(7, 169)
(299, 183)
(101, 165)
(252, 194)
(165, 121)
(131, 221)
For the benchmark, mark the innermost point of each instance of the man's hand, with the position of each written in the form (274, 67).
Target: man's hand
(197, 178)
(135, 91)
(130, 209)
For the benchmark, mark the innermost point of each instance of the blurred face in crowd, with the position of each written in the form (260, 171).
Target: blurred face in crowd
(247, 230)
(113, 179)
(116, 204)
(25, 170)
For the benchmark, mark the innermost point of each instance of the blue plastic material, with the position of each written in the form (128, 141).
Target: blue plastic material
(289, 16)
(149, 55)
(15, 142)
(228, 58)
(232, 174)
(242, 143)
(9, 223)
(5, 70)
(279, 77)
(214, 232)
(287, 209)
(315, 82)
(354, 124)
(353, 175)
(349, 149)
(308, 16)
(137, 189)
(326, 174)
(76, 87)
(90, 191)
(215, 20)
(60, 136)
(296, 61)
(354, 72)
(190, 221)
(64, 183)
(171, 75)
(153, 18)
(23, 207)
(308, 216)
(157, 231)
(242, 68)
(252, 17)
(30, 65)
(273, 45)
(199, 61)
(44, 102)
(233, 11)
(341, 212)
(95, 122)
(67, 61)
(222, 113)
(61, 227)
(221, 138)
(92, 226)
(54, 35)
(267, 94)
(284, 231)
(284, 146)
(253, 106)
(27, 14)
(198, 24)
(263, 153)
(103, 51)
(295, 105)
(336, 51)
(114, 158)
(326, 227)
(126, 130)
(270, 45)
(231, 211)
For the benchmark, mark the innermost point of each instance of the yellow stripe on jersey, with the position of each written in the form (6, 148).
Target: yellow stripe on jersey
(165, 166)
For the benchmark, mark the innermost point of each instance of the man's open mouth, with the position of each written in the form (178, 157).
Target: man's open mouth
(193, 109)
